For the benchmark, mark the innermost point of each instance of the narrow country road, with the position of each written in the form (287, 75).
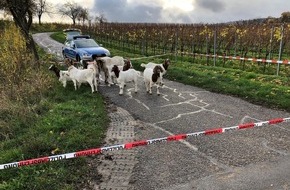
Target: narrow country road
(257, 158)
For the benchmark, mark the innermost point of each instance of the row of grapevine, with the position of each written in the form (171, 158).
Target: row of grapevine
(257, 40)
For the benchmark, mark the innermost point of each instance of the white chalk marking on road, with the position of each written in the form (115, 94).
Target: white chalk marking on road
(138, 101)
(180, 115)
(265, 144)
(175, 91)
(194, 148)
(164, 97)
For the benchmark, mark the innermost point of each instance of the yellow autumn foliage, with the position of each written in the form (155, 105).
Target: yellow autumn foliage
(13, 55)
(20, 82)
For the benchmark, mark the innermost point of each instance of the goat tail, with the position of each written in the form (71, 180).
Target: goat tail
(143, 65)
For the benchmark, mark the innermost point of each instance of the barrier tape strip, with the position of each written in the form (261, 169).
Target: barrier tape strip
(241, 58)
(134, 144)
(286, 62)
(161, 55)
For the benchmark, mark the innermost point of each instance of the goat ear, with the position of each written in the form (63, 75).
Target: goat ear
(156, 68)
(154, 77)
(167, 61)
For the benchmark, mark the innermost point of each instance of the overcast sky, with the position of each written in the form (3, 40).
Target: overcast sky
(181, 11)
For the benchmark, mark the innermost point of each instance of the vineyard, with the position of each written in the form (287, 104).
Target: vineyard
(198, 43)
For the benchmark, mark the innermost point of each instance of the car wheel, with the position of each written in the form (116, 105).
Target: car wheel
(78, 59)
(63, 55)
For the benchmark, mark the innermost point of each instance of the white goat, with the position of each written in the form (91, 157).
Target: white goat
(125, 76)
(79, 76)
(127, 65)
(63, 76)
(164, 67)
(151, 65)
(106, 64)
(94, 66)
(153, 76)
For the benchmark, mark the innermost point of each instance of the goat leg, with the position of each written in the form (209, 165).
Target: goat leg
(136, 87)
(158, 93)
(121, 89)
(75, 84)
(150, 88)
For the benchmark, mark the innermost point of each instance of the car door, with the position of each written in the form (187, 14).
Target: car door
(70, 50)
(67, 49)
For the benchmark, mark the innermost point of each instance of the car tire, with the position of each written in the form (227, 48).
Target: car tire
(78, 58)
(63, 55)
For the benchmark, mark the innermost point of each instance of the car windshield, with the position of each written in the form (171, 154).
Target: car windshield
(73, 33)
(85, 43)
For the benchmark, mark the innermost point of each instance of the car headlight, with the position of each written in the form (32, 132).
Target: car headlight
(107, 52)
(86, 54)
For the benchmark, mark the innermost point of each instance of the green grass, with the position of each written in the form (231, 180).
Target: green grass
(68, 121)
(58, 36)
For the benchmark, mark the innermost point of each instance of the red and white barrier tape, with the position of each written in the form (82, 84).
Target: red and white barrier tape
(286, 62)
(130, 145)
(242, 58)
(161, 55)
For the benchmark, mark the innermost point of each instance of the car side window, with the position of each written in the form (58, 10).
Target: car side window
(72, 44)
(67, 43)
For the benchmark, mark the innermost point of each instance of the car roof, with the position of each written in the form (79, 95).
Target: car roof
(71, 30)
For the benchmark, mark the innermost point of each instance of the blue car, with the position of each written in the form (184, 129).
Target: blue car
(83, 47)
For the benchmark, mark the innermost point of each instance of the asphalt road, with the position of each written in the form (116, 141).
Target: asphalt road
(257, 158)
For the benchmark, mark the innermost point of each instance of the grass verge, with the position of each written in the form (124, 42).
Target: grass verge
(66, 121)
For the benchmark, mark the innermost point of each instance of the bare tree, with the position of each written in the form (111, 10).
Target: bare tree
(71, 10)
(83, 15)
(90, 18)
(101, 18)
(42, 6)
(285, 17)
(22, 12)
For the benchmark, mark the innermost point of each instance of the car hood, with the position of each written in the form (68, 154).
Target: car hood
(94, 50)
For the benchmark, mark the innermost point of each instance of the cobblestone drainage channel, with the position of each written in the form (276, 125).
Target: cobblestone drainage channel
(116, 167)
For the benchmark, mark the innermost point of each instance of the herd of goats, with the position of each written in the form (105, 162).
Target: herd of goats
(115, 70)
